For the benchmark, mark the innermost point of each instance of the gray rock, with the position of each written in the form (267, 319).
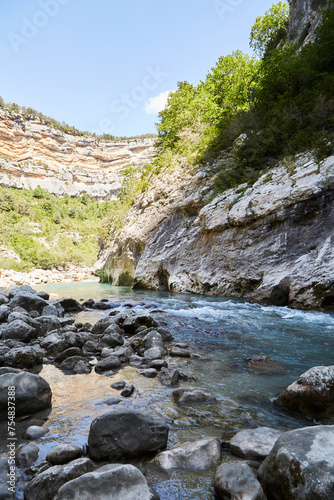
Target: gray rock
(180, 353)
(63, 453)
(300, 465)
(67, 353)
(192, 456)
(113, 329)
(26, 455)
(148, 372)
(152, 339)
(69, 363)
(35, 432)
(44, 295)
(158, 364)
(51, 310)
(123, 353)
(72, 339)
(45, 485)
(4, 312)
(21, 289)
(22, 357)
(152, 353)
(19, 330)
(119, 385)
(101, 325)
(115, 481)
(237, 481)
(3, 299)
(136, 360)
(112, 401)
(102, 306)
(53, 344)
(128, 390)
(48, 323)
(32, 392)
(69, 305)
(193, 395)
(109, 363)
(254, 443)
(28, 301)
(311, 394)
(132, 322)
(82, 367)
(111, 339)
(169, 376)
(126, 433)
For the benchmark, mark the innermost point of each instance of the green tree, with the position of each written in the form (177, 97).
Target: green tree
(270, 29)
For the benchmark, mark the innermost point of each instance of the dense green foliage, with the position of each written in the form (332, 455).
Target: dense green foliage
(47, 231)
(253, 113)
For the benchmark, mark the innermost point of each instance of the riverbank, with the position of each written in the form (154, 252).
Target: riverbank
(71, 274)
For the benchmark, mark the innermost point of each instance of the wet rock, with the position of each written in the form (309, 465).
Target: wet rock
(311, 394)
(238, 481)
(132, 322)
(128, 390)
(190, 395)
(32, 392)
(126, 433)
(35, 432)
(192, 456)
(26, 455)
(21, 357)
(103, 306)
(124, 353)
(109, 363)
(119, 385)
(136, 360)
(71, 351)
(179, 352)
(88, 304)
(28, 301)
(254, 443)
(69, 305)
(280, 293)
(114, 481)
(165, 335)
(69, 363)
(48, 323)
(264, 364)
(45, 485)
(102, 325)
(19, 330)
(111, 339)
(169, 376)
(51, 310)
(300, 465)
(148, 372)
(82, 367)
(63, 453)
(158, 364)
(38, 468)
(153, 353)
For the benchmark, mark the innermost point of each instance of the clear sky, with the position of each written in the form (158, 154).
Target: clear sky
(106, 65)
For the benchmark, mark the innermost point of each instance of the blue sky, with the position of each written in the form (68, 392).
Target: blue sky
(101, 65)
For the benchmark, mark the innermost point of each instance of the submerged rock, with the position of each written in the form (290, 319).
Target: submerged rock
(192, 456)
(189, 395)
(126, 433)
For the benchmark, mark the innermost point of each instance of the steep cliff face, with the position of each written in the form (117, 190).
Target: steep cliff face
(270, 242)
(304, 18)
(63, 163)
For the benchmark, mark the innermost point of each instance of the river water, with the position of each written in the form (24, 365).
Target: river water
(223, 333)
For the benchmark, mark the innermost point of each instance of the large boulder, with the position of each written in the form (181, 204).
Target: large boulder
(254, 443)
(300, 465)
(45, 485)
(19, 330)
(311, 394)
(32, 392)
(194, 455)
(22, 357)
(104, 323)
(126, 433)
(48, 323)
(28, 301)
(237, 481)
(111, 482)
(68, 305)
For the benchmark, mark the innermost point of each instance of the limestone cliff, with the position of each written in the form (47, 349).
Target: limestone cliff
(270, 242)
(32, 154)
(304, 18)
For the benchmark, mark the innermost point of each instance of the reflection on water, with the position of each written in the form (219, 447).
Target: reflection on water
(223, 332)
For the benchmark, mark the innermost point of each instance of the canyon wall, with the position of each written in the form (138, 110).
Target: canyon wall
(271, 242)
(32, 154)
(304, 18)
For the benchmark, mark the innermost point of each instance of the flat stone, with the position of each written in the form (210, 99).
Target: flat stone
(109, 363)
(35, 432)
(148, 372)
(254, 443)
(119, 385)
(192, 456)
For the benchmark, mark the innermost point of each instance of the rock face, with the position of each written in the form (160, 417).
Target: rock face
(126, 433)
(300, 466)
(304, 18)
(63, 163)
(110, 482)
(311, 394)
(173, 241)
(32, 392)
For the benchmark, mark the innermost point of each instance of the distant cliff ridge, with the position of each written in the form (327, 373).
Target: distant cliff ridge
(31, 154)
